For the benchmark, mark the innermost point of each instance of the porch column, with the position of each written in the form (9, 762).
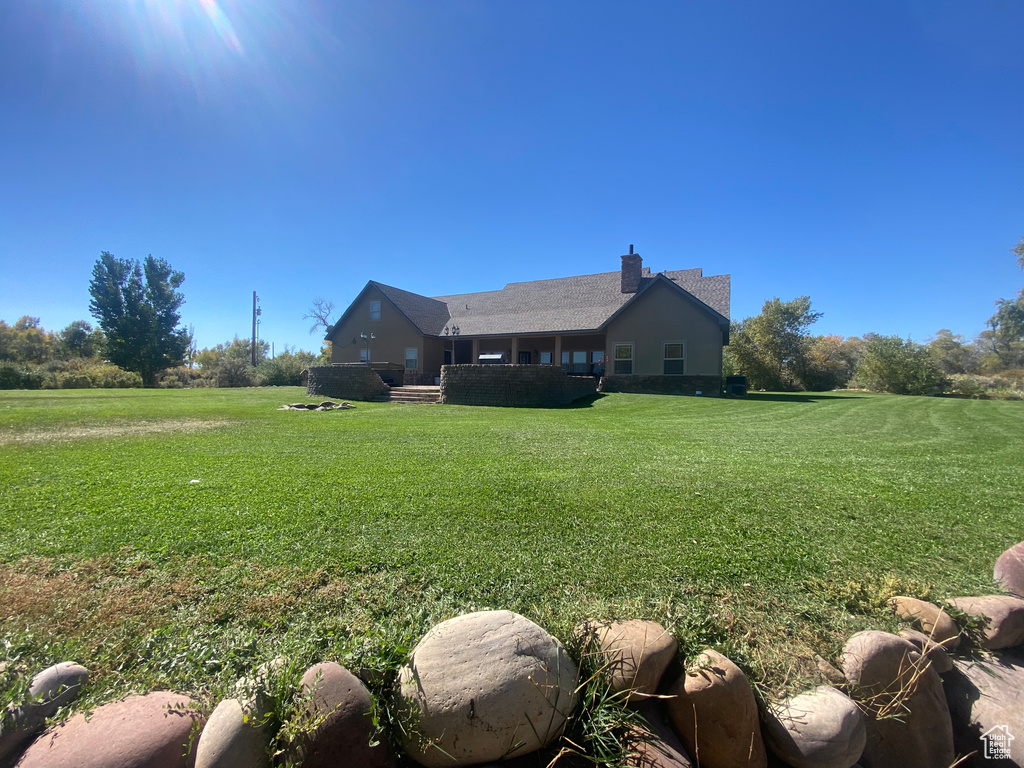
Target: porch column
(476, 351)
(558, 350)
(515, 351)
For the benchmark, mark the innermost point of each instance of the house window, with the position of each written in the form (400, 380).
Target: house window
(623, 359)
(364, 355)
(675, 358)
(375, 310)
(565, 362)
(411, 359)
(546, 358)
(579, 362)
(597, 362)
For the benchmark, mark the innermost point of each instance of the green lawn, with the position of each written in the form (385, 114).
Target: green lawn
(174, 538)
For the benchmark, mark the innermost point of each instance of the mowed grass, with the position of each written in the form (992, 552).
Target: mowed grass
(177, 538)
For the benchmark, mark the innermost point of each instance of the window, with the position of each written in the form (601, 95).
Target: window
(675, 358)
(623, 359)
(364, 355)
(375, 310)
(597, 362)
(579, 362)
(411, 359)
(565, 362)
(546, 358)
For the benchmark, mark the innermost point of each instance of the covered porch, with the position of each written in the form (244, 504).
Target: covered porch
(576, 354)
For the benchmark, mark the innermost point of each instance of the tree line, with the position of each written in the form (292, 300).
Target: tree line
(776, 351)
(139, 341)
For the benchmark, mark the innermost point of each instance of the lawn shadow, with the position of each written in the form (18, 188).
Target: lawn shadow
(582, 402)
(793, 397)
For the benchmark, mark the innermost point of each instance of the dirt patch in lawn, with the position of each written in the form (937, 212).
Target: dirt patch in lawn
(105, 431)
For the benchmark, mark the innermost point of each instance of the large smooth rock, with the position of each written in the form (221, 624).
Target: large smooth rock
(714, 711)
(636, 654)
(1009, 570)
(656, 746)
(985, 694)
(822, 728)
(485, 686)
(345, 734)
(935, 653)
(929, 618)
(48, 691)
(1005, 627)
(151, 731)
(907, 721)
(234, 738)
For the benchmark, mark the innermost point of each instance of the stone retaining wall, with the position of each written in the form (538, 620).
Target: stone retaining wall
(532, 386)
(347, 382)
(708, 386)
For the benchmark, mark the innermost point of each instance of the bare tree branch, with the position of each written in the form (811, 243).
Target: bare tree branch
(320, 314)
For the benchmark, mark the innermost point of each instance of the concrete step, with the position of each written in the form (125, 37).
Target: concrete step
(411, 394)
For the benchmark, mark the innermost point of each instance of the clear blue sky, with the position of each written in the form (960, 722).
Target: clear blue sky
(868, 154)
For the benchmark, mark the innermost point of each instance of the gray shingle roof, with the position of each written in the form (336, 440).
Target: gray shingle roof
(567, 304)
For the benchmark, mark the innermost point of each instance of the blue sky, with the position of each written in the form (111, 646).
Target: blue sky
(867, 154)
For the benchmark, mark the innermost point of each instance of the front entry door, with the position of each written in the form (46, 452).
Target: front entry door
(524, 358)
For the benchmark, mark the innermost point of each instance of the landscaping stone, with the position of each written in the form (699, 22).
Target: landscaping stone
(936, 654)
(151, 731)
(984, 694)
(51, 689)
(657, 746)
(714, 712)
(636, 654)
(907, 721)
(341, 702)
(485, 686)
(1009, 570)
(822, 728)
(929, 618)
(1006, 618)
(234, 738)
(828, 671)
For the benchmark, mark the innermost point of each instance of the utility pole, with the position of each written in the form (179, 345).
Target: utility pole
(255, 311)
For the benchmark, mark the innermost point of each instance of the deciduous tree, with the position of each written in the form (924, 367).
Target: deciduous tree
(770, 348)
(136, 306)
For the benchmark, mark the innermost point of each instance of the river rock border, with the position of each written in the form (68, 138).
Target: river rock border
(493, 685)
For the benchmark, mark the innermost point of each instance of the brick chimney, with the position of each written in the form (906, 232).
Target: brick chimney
(632, 269)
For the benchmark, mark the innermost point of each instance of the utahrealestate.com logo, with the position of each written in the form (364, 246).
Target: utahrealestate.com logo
(997, 743)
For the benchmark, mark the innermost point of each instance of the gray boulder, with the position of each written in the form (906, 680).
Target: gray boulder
(935, 653)
(51, 689)
(1009, 570)
(907, 721)
(234, 738)
(821, 728)
(151, 731)
(1005, 616)
(485, 686)
(986, 694)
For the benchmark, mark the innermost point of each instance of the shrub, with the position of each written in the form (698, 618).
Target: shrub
(891, 364)
(180, 377)
(18, 376)
(233, 372)
(1008, 385)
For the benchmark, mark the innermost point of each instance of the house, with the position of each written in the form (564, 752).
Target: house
(642, 331)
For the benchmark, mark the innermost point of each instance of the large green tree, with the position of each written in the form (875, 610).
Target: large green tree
(136, 306)
(771, 348)
(1005, 334)
(899, 366)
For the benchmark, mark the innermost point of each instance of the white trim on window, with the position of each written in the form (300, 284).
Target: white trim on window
(412, 358)
(674, 358)
(375, 310)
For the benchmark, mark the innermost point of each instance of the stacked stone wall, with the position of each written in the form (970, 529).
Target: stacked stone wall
(708, 386)
(530, 386)
(348, 382)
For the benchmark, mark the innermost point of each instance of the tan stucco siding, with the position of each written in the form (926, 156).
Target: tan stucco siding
(662, 315)
(393, 331)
